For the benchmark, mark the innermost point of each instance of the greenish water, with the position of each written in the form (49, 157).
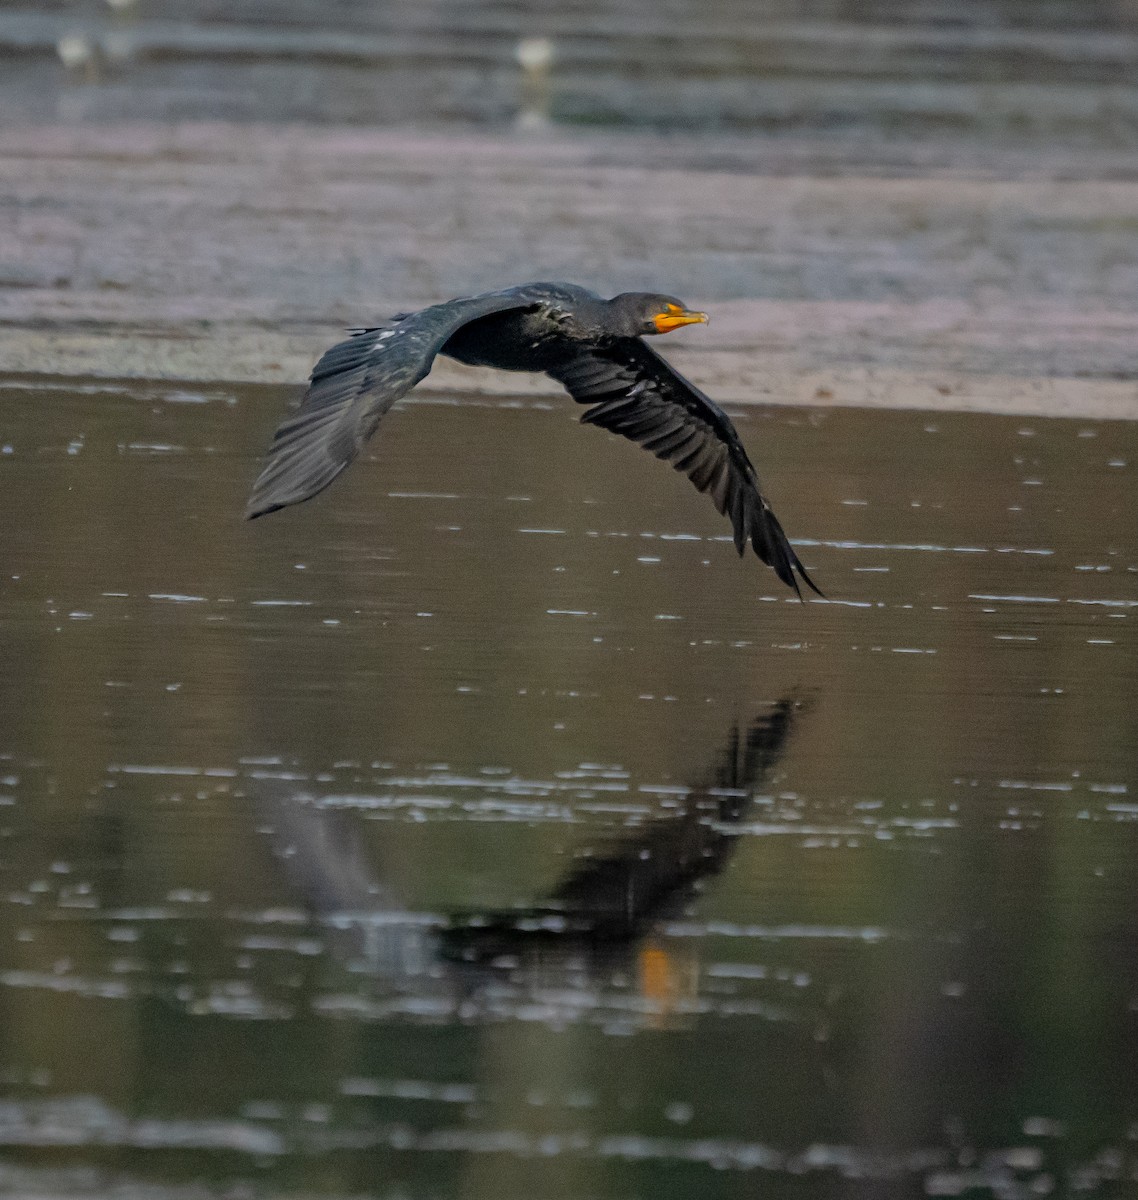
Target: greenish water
(486, 828)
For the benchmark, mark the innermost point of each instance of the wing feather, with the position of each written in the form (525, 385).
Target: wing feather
(702, 475)
(719, 484)
(638, 395)
(352, 387)
(664, 445)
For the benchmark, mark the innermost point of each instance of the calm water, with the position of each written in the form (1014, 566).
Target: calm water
(485, 828)
(885, 80)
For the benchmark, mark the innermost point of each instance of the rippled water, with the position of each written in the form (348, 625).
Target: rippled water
(487, 828)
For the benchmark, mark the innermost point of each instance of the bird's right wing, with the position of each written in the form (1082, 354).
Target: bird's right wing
(637, 394)
(351, 388)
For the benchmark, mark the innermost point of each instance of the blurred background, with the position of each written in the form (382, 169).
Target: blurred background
(486, 828)
(886, 69)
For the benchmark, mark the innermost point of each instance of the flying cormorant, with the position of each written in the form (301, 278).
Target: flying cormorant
(594, 347)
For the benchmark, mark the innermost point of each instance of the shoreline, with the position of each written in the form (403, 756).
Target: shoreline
(222, 251)
(730, 377)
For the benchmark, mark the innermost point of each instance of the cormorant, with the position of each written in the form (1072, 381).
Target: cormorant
(594, 347)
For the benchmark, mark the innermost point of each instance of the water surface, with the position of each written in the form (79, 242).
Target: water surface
(879, 78)
(486, 828)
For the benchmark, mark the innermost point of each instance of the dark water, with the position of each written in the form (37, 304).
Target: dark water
(485, 828)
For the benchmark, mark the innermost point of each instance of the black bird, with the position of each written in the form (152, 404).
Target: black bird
(594, 347)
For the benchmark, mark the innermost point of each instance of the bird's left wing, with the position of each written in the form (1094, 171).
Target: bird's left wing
(351, 388)
(638, 395)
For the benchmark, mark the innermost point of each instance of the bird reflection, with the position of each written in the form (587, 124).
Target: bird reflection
(616, 895)
(597, 945)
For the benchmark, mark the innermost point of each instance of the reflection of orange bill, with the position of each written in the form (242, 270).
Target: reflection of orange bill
(658, 982)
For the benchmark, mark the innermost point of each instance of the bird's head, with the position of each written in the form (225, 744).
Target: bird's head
(637, 313)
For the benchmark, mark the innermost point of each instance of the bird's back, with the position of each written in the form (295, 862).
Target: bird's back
(528, 339)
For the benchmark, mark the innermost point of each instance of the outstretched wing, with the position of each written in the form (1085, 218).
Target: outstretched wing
(351, 388)
(638, 395)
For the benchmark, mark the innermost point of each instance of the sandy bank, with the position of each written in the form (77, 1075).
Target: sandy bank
(237, 251)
